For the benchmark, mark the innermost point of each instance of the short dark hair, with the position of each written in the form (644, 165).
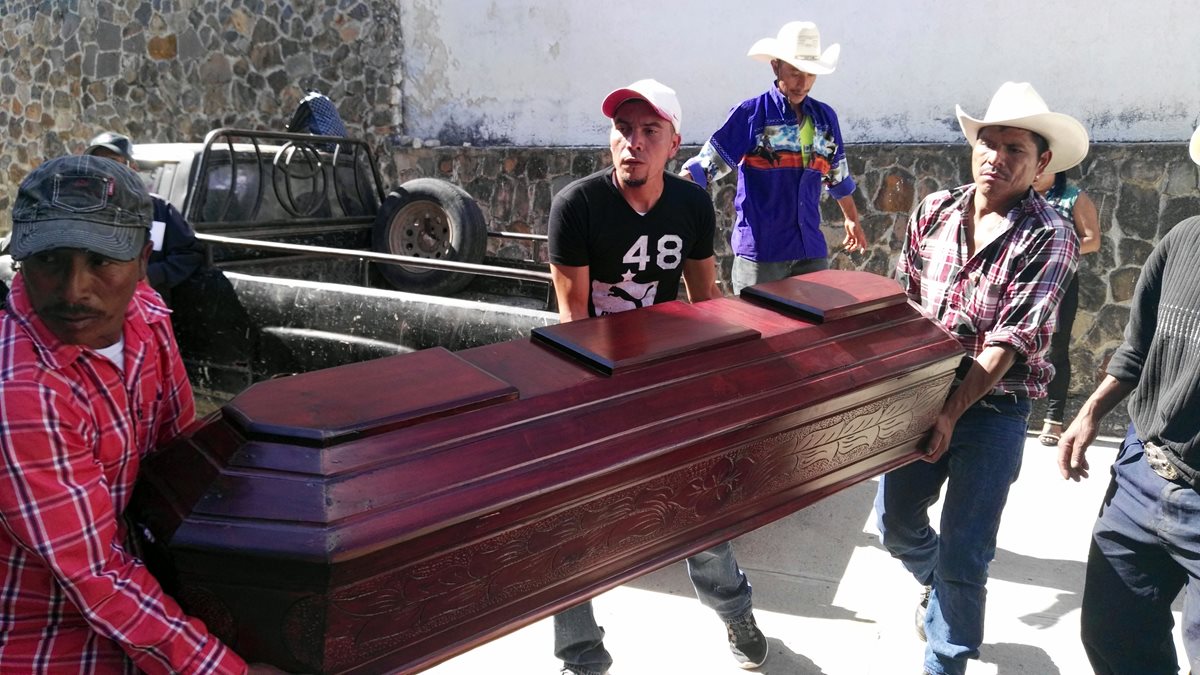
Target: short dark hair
(1040, 141)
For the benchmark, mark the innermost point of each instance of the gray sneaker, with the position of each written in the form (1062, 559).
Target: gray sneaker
(579, 670)
(922, 608)
(747, 642)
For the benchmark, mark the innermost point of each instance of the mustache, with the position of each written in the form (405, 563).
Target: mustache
(67, 311)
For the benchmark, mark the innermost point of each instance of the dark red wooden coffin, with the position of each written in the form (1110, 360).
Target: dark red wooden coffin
(387, 515)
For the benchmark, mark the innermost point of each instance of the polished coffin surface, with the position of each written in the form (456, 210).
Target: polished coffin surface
(389, 514)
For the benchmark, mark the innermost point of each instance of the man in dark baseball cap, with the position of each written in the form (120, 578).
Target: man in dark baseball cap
(117, 144)
(90, 382)
(89, 214)
(176, 254)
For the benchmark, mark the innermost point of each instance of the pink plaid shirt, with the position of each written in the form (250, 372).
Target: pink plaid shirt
(73, 430)
(1006, 294)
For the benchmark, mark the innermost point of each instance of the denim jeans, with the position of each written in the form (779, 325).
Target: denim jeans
(748, 273)
(1145, 548)
(979, 468)
(720, 585)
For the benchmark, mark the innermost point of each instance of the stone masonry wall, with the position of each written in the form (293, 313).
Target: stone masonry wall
(171, 70)
(1141, 191)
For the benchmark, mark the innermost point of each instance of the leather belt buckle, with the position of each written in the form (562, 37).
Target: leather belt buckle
(1158, 461)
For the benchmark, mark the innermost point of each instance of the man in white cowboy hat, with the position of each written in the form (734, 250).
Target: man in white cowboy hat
(989, 261)
(786, 146)
(1146, 540)
(621, 239)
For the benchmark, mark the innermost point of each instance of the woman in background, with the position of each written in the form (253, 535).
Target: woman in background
(1075, 206)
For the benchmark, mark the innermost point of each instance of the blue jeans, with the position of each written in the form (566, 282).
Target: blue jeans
(1145, 549)
(720, 585)
(748, 273)
(979, 468)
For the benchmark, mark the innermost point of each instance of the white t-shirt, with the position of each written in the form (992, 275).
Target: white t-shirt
(115, 353)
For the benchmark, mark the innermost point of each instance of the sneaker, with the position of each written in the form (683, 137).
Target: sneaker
(922, 608)
(747, 642)
(579, 670)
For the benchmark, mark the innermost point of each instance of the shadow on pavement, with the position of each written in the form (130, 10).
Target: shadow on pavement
(784, 661)
(1066, 575)
(1031, 659)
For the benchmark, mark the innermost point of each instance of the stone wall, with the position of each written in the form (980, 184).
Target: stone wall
(171, 70)
(1141, 191)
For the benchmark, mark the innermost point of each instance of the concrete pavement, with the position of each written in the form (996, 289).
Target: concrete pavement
(833, 602)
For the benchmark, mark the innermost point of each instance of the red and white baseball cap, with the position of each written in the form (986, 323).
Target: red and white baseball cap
(660, 97)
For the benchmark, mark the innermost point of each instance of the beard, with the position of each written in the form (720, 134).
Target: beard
(634, 182)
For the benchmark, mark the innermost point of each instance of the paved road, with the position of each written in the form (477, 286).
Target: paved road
(833, 602)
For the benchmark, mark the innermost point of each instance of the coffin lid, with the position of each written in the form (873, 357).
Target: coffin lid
(298, 408)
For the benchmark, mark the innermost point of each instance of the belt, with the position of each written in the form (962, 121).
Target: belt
(1157, 459)
(1010, 398)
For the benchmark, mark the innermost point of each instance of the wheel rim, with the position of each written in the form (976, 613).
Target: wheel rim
(421, 230)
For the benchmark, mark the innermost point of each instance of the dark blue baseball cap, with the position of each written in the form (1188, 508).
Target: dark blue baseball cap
(83, 202)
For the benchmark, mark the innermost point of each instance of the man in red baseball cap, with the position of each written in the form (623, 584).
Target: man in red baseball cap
(621, 239)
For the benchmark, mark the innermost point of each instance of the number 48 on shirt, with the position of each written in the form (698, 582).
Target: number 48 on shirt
(667, 253)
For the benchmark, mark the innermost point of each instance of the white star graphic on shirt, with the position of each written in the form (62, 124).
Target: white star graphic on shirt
(627, 276)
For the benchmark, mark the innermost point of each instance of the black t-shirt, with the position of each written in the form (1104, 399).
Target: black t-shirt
(634, 260)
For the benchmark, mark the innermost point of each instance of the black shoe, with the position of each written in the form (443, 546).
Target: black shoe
(747, 642)
(922, 608)
(579, 670)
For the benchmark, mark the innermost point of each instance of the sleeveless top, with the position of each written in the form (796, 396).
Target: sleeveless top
(1064, 203)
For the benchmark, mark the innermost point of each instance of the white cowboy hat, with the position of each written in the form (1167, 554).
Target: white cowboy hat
(1016, 104)
(798, 43)
(1194, 149)
(660, 97)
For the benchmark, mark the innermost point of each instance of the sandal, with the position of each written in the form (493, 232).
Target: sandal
(1049, 437)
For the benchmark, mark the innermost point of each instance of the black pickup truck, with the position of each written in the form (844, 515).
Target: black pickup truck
(312, 264)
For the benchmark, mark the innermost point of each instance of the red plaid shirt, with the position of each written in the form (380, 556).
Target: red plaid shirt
(73, 430)
(1006, 294)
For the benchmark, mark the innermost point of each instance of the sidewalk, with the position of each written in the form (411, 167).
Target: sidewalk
(833, 602)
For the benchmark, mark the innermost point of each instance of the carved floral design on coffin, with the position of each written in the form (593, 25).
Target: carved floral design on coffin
(413, 601)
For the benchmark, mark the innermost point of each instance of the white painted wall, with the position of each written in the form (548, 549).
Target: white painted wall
(533, 72)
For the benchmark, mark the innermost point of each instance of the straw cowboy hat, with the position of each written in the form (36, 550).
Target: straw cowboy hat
(1016, 104)
(1194, 148)
(798, 43)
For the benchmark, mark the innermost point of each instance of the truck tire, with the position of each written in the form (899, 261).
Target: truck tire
(429, 218)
